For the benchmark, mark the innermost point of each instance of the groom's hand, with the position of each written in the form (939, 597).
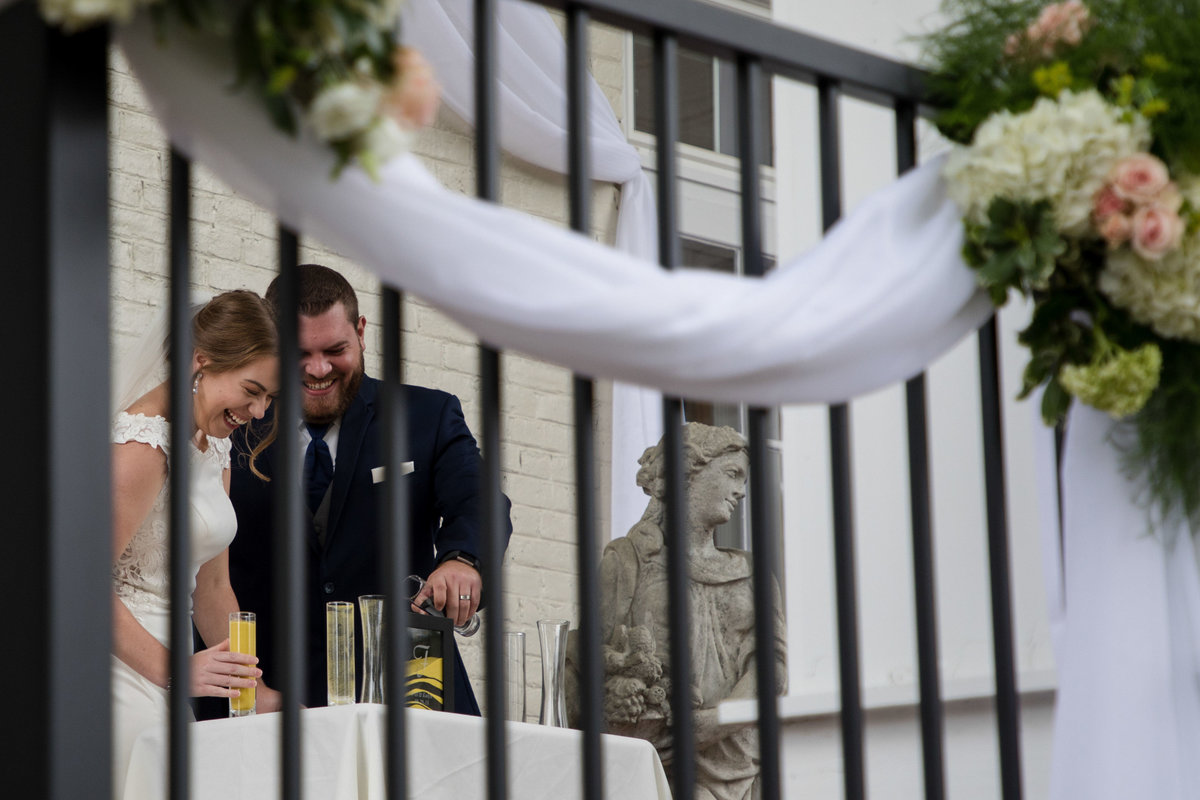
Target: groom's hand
(447, 585)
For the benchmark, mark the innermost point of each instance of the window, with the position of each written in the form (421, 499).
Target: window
(707, 100)
(721, 258)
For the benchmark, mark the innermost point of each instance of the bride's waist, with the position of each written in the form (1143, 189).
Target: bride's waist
(152, 611)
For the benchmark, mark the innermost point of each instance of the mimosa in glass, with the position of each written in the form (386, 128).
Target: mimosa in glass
(243, 638)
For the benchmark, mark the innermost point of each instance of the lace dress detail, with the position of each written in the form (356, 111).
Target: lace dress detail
(140, 574)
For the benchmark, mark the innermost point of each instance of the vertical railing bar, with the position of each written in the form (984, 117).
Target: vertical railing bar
(580, 188)
(666, 111)
(666, 105)
(179, 475)
(487, 147)
(396, 537)
(1059, 443)
(493, 551)
(764, 543)
(924, 573)
(54, 222)
(1007, 708)
(488, 188)
(289, 547)
(828, 94)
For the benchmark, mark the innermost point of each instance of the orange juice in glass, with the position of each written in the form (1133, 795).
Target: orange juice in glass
(243, 639)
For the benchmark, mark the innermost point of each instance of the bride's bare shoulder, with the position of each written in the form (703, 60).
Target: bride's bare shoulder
(153, 403)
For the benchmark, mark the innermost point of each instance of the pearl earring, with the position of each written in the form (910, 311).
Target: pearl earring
(196, 383)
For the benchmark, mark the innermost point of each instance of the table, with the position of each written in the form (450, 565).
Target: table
(342, 759)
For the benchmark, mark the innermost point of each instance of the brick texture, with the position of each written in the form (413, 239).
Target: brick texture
(234, 245)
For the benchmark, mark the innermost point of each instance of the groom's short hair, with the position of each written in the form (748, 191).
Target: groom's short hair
(320, 288)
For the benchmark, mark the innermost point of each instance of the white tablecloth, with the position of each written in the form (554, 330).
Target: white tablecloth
(342, 759)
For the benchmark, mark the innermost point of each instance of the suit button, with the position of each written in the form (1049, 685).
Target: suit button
(328, 587)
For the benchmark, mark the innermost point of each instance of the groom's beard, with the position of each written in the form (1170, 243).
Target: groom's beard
(324, 410)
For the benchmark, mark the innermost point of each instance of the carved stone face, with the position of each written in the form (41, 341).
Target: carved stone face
(715, 491)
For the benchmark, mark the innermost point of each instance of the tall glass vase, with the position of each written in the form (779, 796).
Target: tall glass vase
(370, 608)
(553, 636)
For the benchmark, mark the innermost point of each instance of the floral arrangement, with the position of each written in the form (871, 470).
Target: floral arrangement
(331, 66)
(1079, 182)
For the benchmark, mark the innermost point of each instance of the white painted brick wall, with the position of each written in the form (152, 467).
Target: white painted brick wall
(234, 247)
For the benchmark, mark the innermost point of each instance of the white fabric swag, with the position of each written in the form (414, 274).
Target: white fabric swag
(532, 103)
(881, 296)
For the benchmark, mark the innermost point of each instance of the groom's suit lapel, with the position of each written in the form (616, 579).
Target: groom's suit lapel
(355, 424)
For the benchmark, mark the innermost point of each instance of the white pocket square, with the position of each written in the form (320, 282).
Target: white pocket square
(378, 473)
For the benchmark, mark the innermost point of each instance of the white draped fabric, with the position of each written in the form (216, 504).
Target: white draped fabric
(342, 758)
(1127, 721)
(531, 56)
(880, 298)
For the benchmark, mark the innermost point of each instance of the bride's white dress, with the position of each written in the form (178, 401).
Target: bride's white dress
(140, 574)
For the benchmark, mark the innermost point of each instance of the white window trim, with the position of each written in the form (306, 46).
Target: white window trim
(820, 704)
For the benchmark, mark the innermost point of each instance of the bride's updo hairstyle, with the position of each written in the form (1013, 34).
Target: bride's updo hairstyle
(232, 330)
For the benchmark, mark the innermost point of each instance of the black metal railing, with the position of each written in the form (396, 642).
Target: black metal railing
(53, 217)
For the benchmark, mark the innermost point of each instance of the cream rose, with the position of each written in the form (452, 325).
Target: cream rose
(1116, 229)
(343, 110)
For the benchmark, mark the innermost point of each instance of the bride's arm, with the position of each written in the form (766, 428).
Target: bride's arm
(138, 474)
(212, 602)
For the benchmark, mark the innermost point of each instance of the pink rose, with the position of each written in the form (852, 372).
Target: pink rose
(1156, 231)
(1116, 228)
(1140, 178)
(1059, 22)
(1107, 202)
(413, 101)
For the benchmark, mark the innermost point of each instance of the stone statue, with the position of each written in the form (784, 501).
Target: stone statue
(634, 621)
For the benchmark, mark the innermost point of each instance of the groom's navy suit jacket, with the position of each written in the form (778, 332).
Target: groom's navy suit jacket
(444, 494)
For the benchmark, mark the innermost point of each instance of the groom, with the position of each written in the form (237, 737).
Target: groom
(344, 481)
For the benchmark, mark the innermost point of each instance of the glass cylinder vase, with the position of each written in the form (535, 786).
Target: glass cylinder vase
(552, 634)
(339, 653)
(370, 611)
(514, 670)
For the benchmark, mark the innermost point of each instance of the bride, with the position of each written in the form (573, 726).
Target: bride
(235, 370)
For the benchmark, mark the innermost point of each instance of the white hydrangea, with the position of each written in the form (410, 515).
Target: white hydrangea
(1059, 150)
(76, 14)
(344, 109)
(1163, 294)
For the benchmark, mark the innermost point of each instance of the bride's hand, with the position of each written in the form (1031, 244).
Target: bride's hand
(216, 672)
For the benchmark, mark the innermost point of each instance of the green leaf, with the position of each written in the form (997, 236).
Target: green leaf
(281, 79)
(1055, 403)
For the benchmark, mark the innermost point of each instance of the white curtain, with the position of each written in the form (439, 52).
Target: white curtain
(881, 296)
(532, 108)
